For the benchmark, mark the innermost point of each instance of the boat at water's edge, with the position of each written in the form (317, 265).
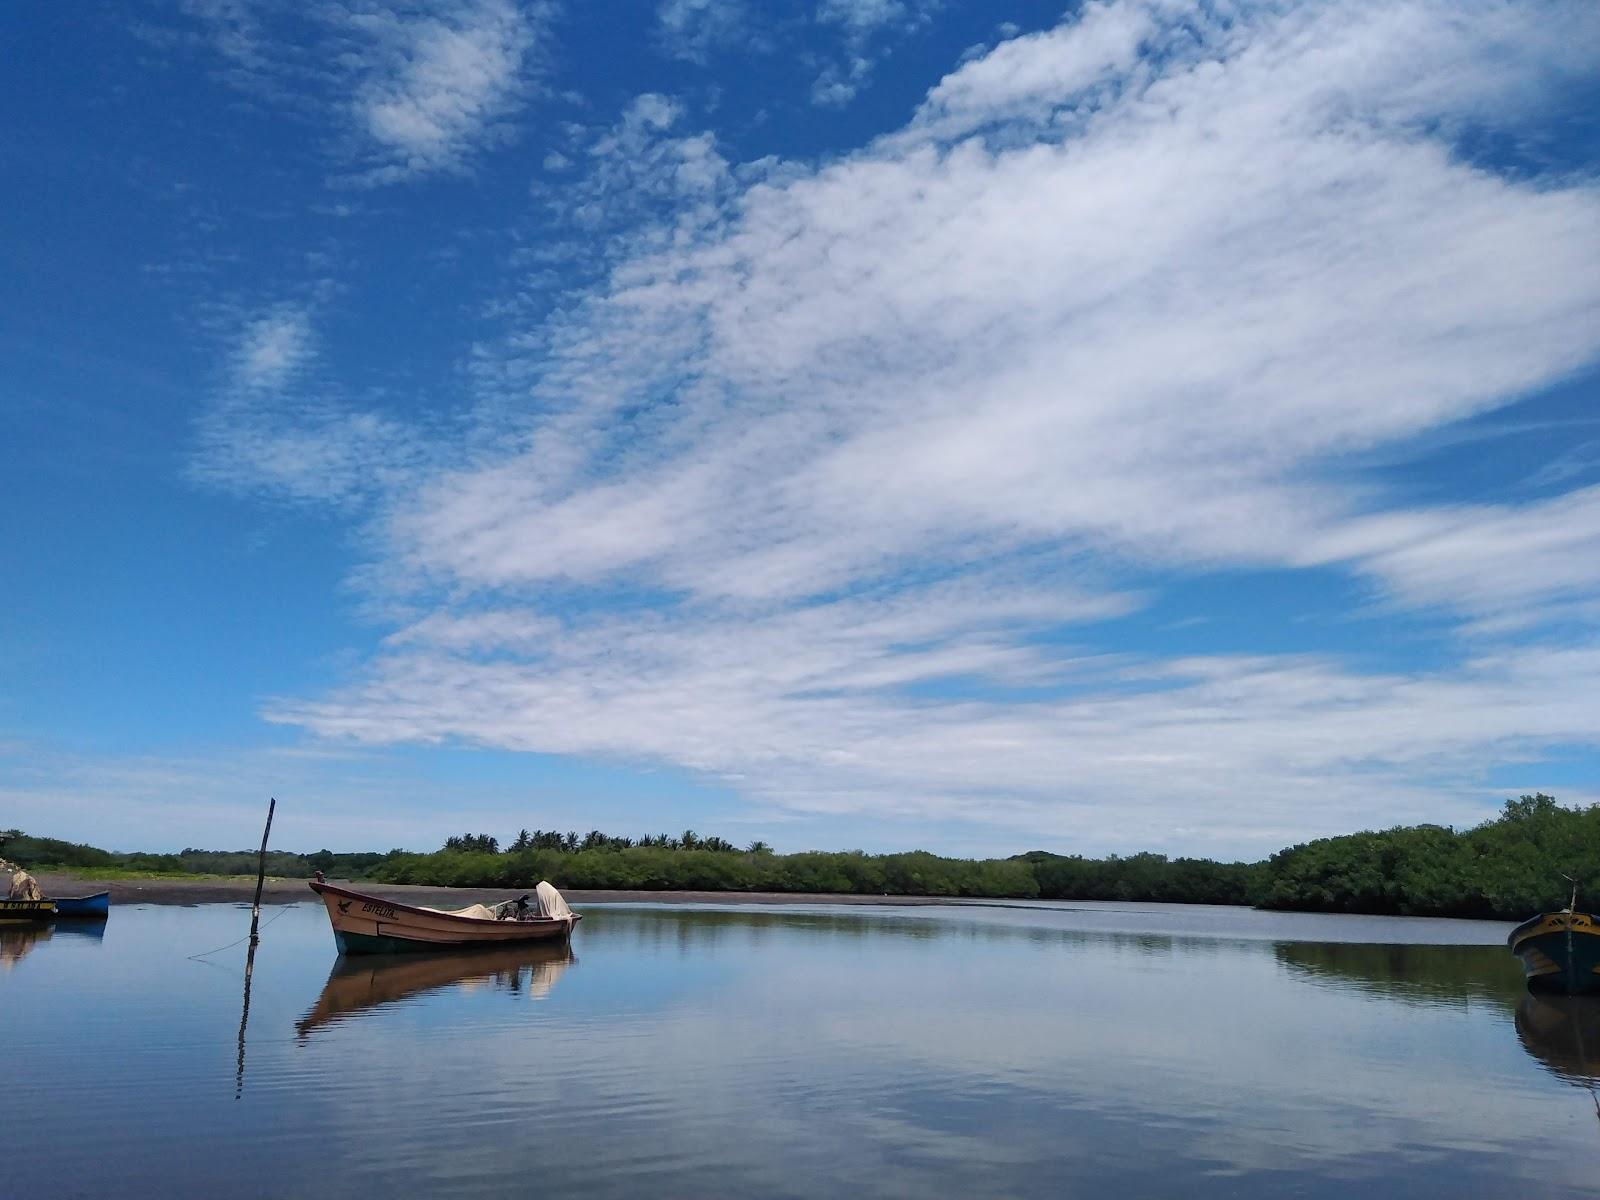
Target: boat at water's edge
(365, 924)
(27, 910)
(1560, 952)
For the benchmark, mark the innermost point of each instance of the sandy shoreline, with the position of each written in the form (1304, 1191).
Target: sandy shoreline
(293, 891)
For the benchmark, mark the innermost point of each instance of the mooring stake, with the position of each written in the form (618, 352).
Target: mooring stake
(261, 872)
(255, 938)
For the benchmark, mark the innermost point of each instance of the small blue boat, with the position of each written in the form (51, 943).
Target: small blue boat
(95, 906)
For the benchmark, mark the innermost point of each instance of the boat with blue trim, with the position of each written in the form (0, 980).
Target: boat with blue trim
(95, 908)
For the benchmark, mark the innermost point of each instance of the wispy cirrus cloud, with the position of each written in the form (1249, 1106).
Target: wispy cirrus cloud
(855, 35)
(867, 27)
(1505, 566)
(275, 428)
(828, 486)
(692, 29)
(805, 715)
(271, 349)
(404, 90)
(436, 87)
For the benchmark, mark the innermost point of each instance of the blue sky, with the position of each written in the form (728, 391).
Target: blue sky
(884, 423)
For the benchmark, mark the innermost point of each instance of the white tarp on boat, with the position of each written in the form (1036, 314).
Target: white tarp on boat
(481, 911)
(551, 903)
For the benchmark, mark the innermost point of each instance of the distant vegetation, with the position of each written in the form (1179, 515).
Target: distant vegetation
(1507, 867)
(43, 853)
(692, 863)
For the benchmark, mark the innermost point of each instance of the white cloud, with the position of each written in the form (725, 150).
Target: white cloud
(864, 16)
(818, 479)
(691, 29)
(807, 712)
(433, 87)
(639, 166)
(1506, 566)
(274, 428)
(1045, 72)
(272, 349)
(866, 26)
(409, 89)
(1137, 339)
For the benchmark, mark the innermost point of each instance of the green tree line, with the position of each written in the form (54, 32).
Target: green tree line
(1506, 868)
(45, 853)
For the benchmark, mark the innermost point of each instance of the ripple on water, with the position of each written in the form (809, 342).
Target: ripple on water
(1024, 1050)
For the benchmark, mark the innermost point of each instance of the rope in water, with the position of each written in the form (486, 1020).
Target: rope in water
(245, 938)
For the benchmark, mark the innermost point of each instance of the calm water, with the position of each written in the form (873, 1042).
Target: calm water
(729, 1051)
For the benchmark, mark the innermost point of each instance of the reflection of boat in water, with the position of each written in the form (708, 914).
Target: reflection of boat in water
(355, 985)
(17, 941)
(1563, 1034)
(364, 924)
(1560, 951)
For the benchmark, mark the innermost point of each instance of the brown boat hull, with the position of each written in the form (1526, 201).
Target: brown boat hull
(364, 924)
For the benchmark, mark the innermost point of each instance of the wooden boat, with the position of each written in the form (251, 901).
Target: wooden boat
(358, 984)
(1560, 952)
(364, 924)
(27, 910)
(97, 906)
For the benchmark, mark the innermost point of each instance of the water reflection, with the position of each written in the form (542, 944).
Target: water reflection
(1415, 973)
(90, 929)
(18, 940)
(358, 984)
(801, 1054)
(1563, 1034)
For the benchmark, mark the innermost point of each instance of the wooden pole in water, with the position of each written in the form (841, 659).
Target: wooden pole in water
(255, 939)
(244, 1019)
(261, 873)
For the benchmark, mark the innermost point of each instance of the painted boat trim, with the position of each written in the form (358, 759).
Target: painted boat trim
(27, 910)
(1560, 952)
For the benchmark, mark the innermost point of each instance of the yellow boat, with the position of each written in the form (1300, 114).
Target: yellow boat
(364, 924)
(27, 910)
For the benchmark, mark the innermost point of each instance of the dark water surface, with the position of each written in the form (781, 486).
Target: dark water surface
(743, 1051)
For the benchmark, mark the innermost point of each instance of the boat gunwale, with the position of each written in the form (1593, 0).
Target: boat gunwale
(418, 910)
(1532, 926)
